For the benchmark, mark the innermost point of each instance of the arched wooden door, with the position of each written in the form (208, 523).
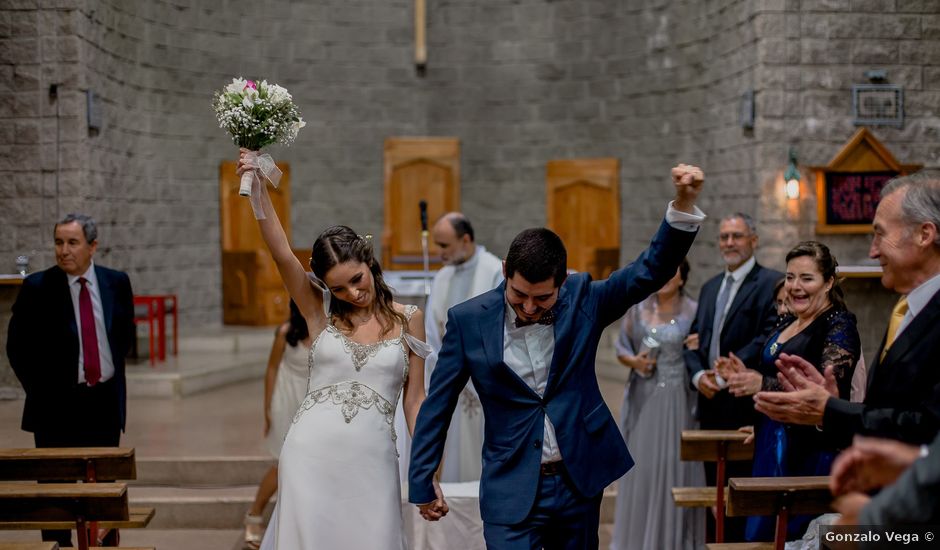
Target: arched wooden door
(583, 207)
(416, 169)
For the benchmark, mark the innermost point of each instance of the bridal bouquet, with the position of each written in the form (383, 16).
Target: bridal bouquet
(257, 114)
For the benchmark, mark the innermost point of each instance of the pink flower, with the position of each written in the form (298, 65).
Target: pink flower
(251, 84)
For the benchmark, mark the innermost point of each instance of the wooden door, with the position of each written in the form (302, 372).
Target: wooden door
(416, 169)
(583, 207)
(252, 291)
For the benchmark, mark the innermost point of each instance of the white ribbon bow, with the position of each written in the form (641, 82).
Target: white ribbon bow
(251, 184)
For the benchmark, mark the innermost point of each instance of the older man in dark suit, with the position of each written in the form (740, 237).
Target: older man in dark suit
(736, 313)
(903, 397)
(71, 328)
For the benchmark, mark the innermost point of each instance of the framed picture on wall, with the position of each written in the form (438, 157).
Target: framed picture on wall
(848, 189)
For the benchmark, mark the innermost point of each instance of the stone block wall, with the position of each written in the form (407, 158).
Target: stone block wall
(520, 82)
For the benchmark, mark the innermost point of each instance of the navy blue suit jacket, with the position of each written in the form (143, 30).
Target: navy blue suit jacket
(43, 346)
(589, 439)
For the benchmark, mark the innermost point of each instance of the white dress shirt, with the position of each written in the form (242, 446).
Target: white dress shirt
(737, 276)
(528, 350)
(917, 300)
(104, 349)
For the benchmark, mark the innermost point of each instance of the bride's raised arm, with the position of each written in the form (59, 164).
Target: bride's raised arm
(308, 299)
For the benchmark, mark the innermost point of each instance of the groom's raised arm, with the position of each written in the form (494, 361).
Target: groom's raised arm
(427, 445)
(658, 263)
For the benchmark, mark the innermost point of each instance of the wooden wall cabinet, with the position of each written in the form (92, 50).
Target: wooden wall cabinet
(252, 291)
(583, 207)
(416, 169)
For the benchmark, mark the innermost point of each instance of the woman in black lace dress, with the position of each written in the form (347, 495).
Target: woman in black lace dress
(821, 330)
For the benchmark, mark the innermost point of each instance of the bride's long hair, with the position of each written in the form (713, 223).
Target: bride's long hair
(340, 244)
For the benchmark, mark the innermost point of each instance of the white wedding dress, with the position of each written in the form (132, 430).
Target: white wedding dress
(338, 481)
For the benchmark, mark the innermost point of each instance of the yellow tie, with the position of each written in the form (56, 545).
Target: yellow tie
(897, 314)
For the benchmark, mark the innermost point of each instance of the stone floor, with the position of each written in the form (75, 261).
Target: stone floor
(223, 423)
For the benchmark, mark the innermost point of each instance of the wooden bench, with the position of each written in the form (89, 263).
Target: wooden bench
(711, 446)
(29, 546)
(86, 464)
(780, 496)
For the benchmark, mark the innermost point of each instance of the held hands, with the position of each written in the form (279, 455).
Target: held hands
(688, 180)
(435, 509)
(640, 363)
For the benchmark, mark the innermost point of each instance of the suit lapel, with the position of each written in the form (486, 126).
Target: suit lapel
(748, 286)
(563, 332)
(60, 282)
(914, 333)
(492, 330)
(707, 315)
(106, 292)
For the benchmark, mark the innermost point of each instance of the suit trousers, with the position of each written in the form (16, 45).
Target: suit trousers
(91, 424)
(560, 519)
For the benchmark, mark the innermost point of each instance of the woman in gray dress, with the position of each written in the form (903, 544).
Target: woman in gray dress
(657, 406)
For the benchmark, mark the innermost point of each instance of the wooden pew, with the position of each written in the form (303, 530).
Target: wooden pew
(86, 464)
(29, 546)
(780, 496)
(75, 503)
(711, 446)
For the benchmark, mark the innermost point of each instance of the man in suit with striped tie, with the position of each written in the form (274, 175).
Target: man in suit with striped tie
(903, 397)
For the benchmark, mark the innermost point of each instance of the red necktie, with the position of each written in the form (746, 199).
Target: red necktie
(89, 335)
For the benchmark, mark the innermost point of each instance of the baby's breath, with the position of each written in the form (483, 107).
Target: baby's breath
(257, 114)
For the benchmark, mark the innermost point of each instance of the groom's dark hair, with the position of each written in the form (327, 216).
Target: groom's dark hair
(538, 255)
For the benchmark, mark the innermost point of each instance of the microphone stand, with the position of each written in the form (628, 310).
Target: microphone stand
(427, 269)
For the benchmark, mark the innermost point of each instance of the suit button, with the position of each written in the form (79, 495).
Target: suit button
(538, 444)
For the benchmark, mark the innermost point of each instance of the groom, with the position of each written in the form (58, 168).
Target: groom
(550, 443)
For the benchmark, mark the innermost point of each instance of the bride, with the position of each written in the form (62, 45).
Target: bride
(338, 480)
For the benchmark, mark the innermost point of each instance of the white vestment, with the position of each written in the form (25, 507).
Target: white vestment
(451, 286)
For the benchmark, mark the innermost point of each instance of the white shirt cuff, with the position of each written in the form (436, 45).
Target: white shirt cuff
(684, 221)
(924, 451)
(695, 378)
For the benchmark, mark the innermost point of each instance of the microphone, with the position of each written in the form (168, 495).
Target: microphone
(423, 206)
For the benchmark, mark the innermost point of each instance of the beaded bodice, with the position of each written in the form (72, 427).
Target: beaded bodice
(356, 377)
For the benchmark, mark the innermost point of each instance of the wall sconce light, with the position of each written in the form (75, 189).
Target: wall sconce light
(791, 177)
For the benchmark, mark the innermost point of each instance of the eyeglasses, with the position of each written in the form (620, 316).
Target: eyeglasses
(732, 236)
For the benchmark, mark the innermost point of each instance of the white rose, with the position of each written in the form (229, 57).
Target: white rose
(279, 94)
(248, 102)
(296, 126)
(237, 85)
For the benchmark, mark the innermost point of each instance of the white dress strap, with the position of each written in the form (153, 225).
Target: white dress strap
(318, 284)
(421, 349)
